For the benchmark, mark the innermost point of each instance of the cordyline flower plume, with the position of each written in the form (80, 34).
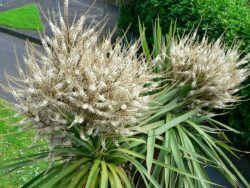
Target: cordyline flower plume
(79, 79)
(213, 72)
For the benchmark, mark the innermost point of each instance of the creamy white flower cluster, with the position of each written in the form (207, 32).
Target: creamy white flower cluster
(82, 80)
(213, 72)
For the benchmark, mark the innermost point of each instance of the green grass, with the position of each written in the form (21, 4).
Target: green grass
(26, 17)
(13, 145)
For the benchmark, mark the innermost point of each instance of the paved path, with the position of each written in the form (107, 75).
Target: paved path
(7, 57)
(98, 11)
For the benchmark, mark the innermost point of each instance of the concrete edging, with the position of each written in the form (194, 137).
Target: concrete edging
(20, 35)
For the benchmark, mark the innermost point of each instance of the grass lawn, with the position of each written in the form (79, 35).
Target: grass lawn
(26, 17)
(11, 147)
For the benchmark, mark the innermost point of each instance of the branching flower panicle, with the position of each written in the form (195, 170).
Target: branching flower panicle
(213, 72)
(80, 79)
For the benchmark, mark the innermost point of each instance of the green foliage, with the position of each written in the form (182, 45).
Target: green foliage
(149, 10)
(231, 17)
(171, 151)
(239, 119)
(26, 17)
(215, 17)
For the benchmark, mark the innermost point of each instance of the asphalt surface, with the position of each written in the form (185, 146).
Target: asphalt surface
(8, 59)
(97, 11)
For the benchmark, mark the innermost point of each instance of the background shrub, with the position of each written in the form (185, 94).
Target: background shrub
(215, 17)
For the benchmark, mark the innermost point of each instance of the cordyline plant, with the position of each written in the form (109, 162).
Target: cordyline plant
(202, 75)
(116, 119)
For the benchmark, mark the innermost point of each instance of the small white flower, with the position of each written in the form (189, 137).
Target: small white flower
(83, 136)
(90, 131)
(44, 103)
(77, 72)
(92, 87)
(85, 106)
(68, 81)
(115, 124)
(79, 119)
(38, 77)
(104, 145)
(81, 93)
(59, 85)
(26, 81)
(37, 119)
(102, 84)
(14, 93)
(124, 107)
(25, 108)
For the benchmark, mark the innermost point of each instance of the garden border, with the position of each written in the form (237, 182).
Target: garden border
(20, 35)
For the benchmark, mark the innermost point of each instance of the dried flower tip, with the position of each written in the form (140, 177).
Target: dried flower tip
(86, 81)
(213, 72)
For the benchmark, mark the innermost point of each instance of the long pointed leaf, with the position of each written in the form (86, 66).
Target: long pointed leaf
(174, 122)
(104, 175)
(150, 150)
(94, 170)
